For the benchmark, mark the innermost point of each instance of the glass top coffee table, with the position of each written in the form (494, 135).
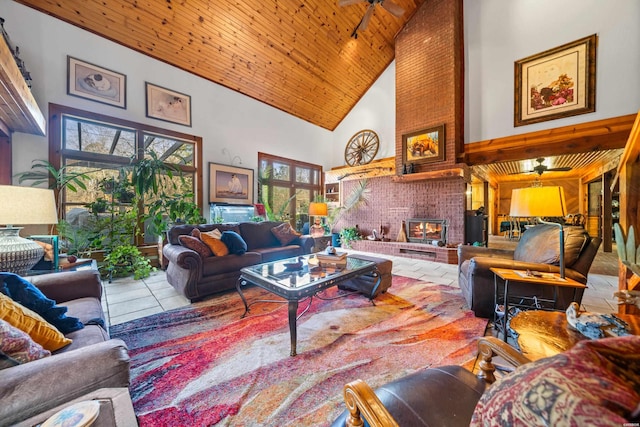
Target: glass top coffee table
(295, 284)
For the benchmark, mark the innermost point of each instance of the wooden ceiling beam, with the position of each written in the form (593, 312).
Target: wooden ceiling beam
(598, 135)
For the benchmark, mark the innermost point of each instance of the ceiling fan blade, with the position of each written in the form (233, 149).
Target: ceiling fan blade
(349, 2)
(366, 18)
(562, 169)
(392, 8)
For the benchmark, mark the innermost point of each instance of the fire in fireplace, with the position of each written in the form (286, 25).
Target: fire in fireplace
(432, 231)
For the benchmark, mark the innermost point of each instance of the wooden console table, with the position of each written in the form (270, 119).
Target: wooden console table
(546, 333)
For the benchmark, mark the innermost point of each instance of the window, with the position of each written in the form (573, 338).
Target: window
(286, 187)
(106, 149)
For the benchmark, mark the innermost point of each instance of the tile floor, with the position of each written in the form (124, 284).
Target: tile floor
(128, 299)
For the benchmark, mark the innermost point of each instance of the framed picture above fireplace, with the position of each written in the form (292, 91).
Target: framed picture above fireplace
(423, 146)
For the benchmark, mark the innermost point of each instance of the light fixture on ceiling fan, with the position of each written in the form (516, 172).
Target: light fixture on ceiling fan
(387, 5)
(540, 168)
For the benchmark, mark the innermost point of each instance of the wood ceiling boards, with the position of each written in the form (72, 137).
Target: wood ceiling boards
(296, 56)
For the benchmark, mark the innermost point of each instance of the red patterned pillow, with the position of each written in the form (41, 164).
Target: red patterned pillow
(285, 233)
(196, 245)
(596, 383)
(18, 345)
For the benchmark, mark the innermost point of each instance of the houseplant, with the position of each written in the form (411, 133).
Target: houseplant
(124, 260)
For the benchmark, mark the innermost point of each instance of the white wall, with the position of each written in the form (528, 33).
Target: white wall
(376, 110)
(500, 32)
(224, 118)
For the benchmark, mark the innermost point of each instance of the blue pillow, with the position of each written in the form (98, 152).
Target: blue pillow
(24, 292)
(234, 242)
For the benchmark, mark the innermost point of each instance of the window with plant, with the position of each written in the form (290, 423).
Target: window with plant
(286, 187)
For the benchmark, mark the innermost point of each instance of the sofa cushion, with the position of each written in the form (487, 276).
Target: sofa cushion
(18, 346)
(32, 323)
(541, 244)
(596, 383)
(195, 244)
(216, 245)
(29, 296)
(234, 242)
(258, 235)
(285, 233)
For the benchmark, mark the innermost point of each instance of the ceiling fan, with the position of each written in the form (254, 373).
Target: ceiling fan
(387, 5)
(540, 168)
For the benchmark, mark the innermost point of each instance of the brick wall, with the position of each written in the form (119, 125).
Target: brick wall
(429, 92)
(391, 202)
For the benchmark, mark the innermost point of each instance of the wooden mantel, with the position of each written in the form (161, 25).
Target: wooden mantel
(19, 111)
(437, 174)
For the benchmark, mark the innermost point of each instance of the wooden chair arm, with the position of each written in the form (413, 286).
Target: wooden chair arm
(361, 399)
(490, 346)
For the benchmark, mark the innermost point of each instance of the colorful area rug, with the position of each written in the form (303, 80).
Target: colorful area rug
(205, 365)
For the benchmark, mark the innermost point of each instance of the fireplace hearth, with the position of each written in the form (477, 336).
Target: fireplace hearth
(429, 231)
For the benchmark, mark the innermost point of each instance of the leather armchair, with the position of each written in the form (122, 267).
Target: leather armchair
(537, 250)
(433, 397)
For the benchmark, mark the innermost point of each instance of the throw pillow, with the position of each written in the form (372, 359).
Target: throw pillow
(27, 294)
(195, 244)
(216, 245)
(541, 244)
(234, 242)
(18, 347)
(596, 382)
(32, 323)
(216, 234)
(195, 233)
(285, 233)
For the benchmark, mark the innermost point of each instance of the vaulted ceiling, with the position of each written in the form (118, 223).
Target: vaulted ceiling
(297, 56)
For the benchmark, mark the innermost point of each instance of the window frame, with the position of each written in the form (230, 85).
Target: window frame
(56, 151)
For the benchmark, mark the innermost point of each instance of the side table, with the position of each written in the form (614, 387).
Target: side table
(508, 275)
(545, 333)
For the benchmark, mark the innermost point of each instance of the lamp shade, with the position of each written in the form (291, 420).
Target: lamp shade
(27, 205)
(318, 209)
(538, 201)
(23, 206)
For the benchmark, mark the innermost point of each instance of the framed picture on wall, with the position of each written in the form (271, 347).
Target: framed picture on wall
(423, 146)
(168, 105)
(98, 84)
(230, 184)
(557, 83)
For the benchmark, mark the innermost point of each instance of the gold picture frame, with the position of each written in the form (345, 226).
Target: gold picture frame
(230, 184)
(423, 146)
(556, 83)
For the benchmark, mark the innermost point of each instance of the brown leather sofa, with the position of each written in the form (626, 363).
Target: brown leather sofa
(196, 277)
(537, 250)
(91, 362)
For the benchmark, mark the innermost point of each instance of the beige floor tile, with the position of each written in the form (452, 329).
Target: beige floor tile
(166, 292)
(136, 315)
(132, 306)
(129, 295)
(177, 301)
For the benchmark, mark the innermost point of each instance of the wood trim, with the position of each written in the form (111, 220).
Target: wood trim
(18, 109)
(438, 174)
(6, 157)
(598, 135)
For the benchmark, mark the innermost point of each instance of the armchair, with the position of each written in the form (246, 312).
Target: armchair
(537, 250)
(596, 382)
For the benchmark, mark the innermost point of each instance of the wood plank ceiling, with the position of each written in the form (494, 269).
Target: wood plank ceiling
(297, 56)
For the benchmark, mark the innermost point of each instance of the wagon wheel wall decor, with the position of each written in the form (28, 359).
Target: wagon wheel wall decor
(361, 148)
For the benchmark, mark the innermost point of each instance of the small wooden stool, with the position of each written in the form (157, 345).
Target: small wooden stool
(366, 284)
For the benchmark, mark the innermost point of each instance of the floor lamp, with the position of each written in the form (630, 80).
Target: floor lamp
(23, 206)
(541, 202)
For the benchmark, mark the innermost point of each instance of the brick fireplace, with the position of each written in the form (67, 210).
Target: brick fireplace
(429, 92)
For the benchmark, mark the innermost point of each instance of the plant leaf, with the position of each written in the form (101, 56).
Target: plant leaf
(620, 244)
(631, 245)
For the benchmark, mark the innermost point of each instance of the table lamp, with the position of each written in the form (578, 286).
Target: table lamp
(317, 209)
(541, 202)
(23, 206)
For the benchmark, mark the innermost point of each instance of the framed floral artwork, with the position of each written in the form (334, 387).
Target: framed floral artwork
(423, 146)
(556, 83)
(98, 84)
(168, 105)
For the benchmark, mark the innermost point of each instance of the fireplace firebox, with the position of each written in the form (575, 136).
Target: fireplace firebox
(431, 231)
